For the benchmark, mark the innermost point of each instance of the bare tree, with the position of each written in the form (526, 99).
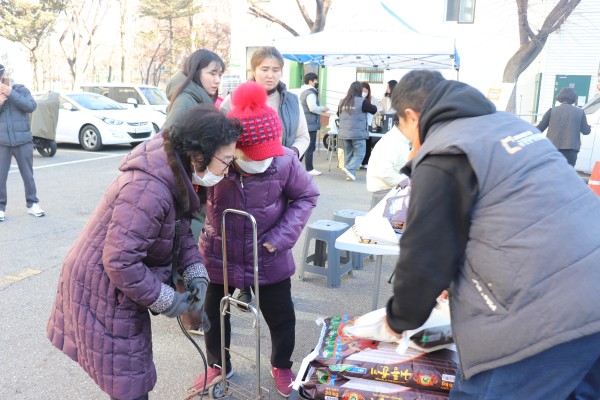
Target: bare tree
(316, 25)
(531, 43)
(77, 39)
(122, 35)
(169, 11)
(30, 24)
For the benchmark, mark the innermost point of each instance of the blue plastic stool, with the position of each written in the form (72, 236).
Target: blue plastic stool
(326, 260)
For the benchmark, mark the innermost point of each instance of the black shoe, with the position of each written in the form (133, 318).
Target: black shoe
(245, 295)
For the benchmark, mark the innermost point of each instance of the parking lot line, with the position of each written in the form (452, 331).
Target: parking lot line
(15, 169)
(20, 276)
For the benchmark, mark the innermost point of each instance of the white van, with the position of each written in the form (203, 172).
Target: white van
(590, 144)
(144, 97)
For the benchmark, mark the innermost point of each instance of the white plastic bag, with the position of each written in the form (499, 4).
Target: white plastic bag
(372, 326)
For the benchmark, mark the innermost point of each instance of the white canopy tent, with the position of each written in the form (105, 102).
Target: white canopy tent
(371, 48)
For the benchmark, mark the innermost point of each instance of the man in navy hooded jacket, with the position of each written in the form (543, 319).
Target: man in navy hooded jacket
(16, 103)
(498, 217)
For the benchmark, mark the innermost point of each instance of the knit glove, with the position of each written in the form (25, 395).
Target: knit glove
(197, 287)
(181, 303)
(195, 278)
(170, 303)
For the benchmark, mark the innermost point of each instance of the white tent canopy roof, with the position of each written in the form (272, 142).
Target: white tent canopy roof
(371, 48)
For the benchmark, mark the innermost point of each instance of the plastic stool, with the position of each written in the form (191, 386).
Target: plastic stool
(348, 216)
(324, 233)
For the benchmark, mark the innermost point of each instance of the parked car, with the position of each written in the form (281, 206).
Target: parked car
(150, 99)
(93, 120)
(590, 144)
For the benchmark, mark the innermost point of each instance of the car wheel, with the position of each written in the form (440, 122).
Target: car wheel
(156, 128)
(90, 138)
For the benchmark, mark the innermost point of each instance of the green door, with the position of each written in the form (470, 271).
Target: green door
(581, 84)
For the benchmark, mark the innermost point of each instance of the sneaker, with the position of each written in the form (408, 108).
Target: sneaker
(213, 376)
(244, 295)
(198, 331)
(314, 172)
(349, 174)
(1, 216)
(35, 210)
(284, 378)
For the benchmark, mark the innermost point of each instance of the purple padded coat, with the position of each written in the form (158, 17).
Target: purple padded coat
(281, 200)
(115, 268)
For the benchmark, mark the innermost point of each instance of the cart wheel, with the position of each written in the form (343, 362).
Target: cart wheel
(48, 149)
(217, 391)
(326, 141)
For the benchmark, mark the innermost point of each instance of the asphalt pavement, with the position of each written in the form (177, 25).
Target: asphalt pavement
(70, 185)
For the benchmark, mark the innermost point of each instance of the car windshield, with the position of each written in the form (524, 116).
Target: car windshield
(155, 96)
(593, 105)
(93, 101)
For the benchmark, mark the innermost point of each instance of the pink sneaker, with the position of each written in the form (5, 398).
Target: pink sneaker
(284, 377)
(213, 376)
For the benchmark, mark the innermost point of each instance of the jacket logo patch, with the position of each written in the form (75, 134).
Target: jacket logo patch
(485, 297)
(512, 144)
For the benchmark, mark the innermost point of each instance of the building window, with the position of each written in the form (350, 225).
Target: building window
(370, 75)
(461, 11)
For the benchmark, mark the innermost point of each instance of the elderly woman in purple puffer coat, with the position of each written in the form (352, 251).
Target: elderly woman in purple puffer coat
(120, 266)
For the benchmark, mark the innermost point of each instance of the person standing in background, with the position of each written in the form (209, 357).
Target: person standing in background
(266, 65)
(196, 83)
(366, 94)
(312, 112)
(386, 103)
(388, 157)
(564, 123)
(16, 140)
(353, 132)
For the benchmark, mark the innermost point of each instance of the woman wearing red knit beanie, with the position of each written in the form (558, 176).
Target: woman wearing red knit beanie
(269, 182)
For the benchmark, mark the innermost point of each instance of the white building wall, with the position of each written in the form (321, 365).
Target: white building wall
(573, 50)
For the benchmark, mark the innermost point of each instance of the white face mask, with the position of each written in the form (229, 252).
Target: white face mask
(254, 167)
(364, 95)
(209, 179)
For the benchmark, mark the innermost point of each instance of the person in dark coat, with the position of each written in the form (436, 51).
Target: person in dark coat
(269, 182)
(353, 132)
(120, 267)
(16, 140)
(564, 123)
(498, 219)
(196, 83)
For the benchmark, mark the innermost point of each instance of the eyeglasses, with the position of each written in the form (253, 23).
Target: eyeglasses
(226, 164)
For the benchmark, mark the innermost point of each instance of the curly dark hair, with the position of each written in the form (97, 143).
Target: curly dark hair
(203, 131)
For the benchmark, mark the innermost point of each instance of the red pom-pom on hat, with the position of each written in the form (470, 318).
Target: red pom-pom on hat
(262, 129)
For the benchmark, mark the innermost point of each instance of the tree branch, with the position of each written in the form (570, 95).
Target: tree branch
(557, 16)
(305, 15)
(258, 12)
(525, 32)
